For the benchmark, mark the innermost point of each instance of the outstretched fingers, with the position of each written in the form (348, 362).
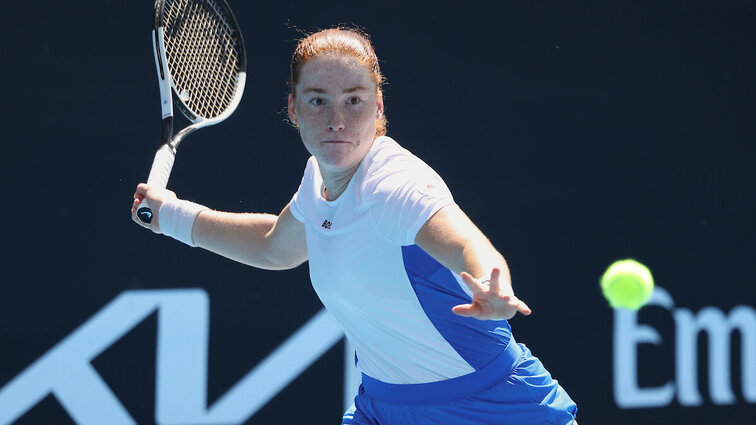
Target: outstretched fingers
(494, 281)
(465, 310)
(472, 283)
(521, 306)
(483, 284)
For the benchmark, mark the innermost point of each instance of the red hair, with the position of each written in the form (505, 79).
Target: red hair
(347, 42)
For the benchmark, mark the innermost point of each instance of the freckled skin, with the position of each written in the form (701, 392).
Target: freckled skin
(335, 107)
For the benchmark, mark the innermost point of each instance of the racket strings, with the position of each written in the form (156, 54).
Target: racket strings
(203, 55)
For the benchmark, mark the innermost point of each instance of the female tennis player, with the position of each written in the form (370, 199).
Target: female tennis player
(421, 293)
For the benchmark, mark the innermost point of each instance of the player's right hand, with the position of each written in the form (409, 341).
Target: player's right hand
(154, 196)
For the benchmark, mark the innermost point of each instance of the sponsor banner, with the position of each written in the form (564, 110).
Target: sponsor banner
(573, 136)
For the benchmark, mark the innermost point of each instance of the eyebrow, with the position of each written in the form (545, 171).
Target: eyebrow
(320, 90)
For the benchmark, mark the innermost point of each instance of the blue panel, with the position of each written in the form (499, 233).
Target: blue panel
(477, 341)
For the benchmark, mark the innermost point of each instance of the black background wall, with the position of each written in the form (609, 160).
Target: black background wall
(572, 134)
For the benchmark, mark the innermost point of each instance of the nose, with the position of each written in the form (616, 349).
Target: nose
(336, 121)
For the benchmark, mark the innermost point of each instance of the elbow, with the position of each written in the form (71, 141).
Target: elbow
(289, 266)
(285, 265)
(280, 261)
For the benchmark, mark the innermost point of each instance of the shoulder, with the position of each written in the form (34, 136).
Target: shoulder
(307, 188)
(310, 167)
(386, 153)
(388, 164)
(311, 174)
(400, 192)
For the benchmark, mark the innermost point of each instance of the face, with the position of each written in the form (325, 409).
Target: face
(336, 107)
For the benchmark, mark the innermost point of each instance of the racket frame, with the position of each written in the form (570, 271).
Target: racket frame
(165, 155)
(169, 96)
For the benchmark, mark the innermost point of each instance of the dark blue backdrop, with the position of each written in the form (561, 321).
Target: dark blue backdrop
(573, 135)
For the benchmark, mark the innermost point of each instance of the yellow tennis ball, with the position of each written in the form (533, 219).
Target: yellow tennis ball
(627, 284)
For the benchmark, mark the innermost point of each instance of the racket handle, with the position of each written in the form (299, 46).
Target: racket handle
(159, 174)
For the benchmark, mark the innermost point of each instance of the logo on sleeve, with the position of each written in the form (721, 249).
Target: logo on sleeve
(326, 224)
(428, 189)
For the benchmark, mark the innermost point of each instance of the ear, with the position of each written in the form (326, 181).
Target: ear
(292, 110)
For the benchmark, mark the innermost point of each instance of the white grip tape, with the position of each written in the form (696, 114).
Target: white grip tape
(161, 167)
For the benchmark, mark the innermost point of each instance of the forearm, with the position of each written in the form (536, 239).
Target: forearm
(453, 240)
(242, 237)
(479, 257)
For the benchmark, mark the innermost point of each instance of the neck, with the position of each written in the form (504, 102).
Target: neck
(336, 182)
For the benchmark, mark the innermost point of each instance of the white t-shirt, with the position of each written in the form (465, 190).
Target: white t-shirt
(393, 300)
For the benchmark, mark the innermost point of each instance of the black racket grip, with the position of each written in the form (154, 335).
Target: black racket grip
(144, 214)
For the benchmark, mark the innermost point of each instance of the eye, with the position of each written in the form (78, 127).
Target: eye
(354, 100)
(317, 101)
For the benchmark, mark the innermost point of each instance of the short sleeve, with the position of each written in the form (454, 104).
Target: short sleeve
(403, 196)
(295, 205)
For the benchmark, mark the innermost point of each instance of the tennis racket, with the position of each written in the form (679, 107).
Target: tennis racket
(201, 65)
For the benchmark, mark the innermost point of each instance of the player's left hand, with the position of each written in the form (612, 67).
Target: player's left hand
(492, 300)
